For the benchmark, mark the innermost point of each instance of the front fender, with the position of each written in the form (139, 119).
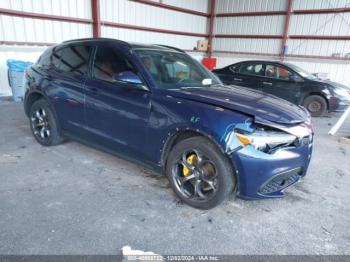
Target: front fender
(172, 116)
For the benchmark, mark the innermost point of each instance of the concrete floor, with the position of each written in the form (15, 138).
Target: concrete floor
(72, 199)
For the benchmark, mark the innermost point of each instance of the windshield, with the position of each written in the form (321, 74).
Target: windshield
(302, 72)
(171, 70)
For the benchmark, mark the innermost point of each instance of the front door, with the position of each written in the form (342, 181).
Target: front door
(116, 112)
(278, 81)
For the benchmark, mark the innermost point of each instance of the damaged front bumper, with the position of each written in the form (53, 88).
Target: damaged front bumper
(263, 175)
(339, 103)
(266, 175)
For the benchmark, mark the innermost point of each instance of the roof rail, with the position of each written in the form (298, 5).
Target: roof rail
(171, 47)
(95, 39)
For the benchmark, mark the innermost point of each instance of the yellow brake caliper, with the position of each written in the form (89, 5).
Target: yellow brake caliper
(191, 159)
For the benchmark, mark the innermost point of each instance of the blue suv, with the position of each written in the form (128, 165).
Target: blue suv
(156, 105)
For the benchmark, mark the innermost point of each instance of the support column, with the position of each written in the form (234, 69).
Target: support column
(286, 29)
(96, 24)
(211, 27)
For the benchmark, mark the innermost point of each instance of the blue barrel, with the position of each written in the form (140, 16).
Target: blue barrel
(16, 70)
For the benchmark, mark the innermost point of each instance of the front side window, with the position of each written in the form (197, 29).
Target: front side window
(109, 62)
(252, 69)
(172, 70)
(277, 72)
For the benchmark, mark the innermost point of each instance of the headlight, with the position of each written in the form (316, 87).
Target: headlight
(266, 140)
(342, 92)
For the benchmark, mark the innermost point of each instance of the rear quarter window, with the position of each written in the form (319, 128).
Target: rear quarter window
(56, 58)
(44, 60)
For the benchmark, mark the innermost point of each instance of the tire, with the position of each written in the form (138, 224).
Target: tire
(43, 124)
(316, 105)
(210, 171)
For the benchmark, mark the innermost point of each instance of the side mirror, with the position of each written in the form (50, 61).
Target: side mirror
(128, 77)
(296, 78)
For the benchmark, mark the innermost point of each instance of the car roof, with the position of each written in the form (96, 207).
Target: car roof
(262, 61)
(128, 44)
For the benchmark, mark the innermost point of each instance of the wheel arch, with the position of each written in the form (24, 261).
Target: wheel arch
(316, 94)
(181, 134)
(31, 98)
(35, 96)
(187, 133)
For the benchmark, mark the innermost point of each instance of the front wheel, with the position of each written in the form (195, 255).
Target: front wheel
(199, 173)
(316, 105)
(43, 123)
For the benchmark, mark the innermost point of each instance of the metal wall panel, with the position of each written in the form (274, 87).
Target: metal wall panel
(184, 42)
(197, 5)
(73, 8)
(257, 25)
(128, 12)
(120, 11)
(337, 24)
(319, 47)
(320, 24)
(36, 30)
(249, 25)
(319, 4)
(234, 6)
(271, 46)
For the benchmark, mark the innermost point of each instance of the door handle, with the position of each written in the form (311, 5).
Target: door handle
(267, 83)
(238, 79)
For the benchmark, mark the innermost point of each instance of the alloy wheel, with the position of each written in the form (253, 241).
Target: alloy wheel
(195, 176)
(40, 124)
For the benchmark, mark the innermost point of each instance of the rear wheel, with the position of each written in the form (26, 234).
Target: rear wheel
(44, 124)
(316, 105)
(198, 172)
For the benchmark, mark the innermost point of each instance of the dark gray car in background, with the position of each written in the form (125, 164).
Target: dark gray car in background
(289, 82)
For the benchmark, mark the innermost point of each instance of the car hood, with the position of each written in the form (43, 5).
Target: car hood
(263, 107)
(333, 84)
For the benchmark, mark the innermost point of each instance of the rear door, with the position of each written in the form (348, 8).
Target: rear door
(70, 67)
(278, 81)
(246, 74)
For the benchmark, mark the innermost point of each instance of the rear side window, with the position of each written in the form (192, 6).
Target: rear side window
(73, 59)
(109, 62)
(252, 69)
(234, 68)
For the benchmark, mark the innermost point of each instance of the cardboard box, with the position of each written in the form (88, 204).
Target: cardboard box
(202, 45)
